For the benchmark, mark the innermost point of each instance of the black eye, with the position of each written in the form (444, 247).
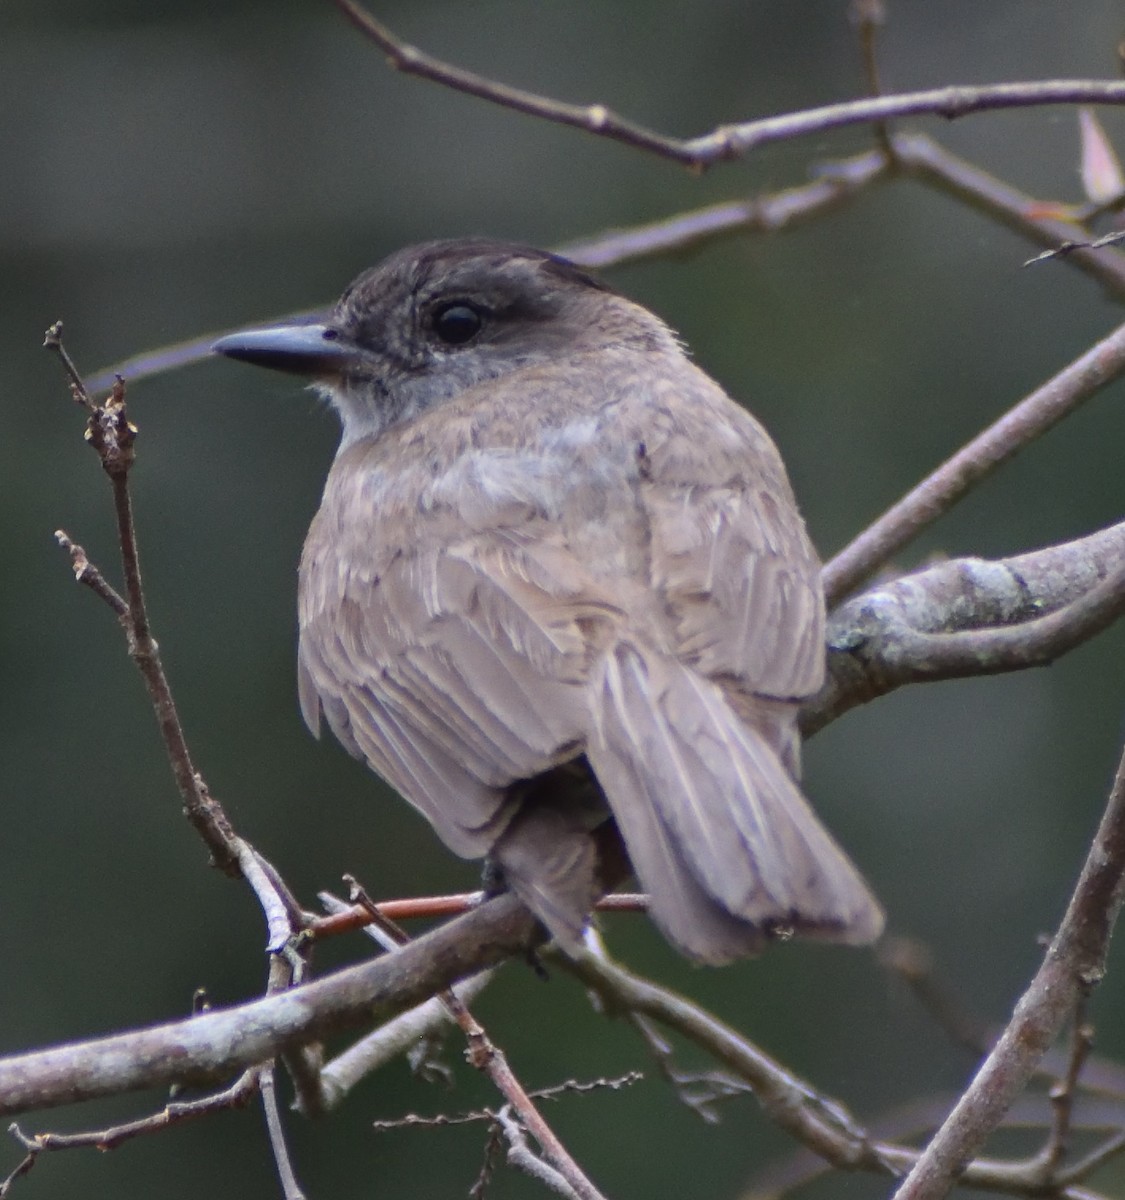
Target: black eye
(457, 323)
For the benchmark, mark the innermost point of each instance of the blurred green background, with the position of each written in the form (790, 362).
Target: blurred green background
(177, 168)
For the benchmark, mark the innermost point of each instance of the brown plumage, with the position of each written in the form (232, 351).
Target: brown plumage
(550, 545)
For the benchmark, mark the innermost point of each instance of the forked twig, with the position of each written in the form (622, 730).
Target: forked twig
(1073, 964)
(490, 1059)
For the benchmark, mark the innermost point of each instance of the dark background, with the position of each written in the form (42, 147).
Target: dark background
(173, 169)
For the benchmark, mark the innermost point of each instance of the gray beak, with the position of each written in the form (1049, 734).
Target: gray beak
(313, 350)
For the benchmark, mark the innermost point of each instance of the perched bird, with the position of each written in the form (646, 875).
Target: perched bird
(558, 575)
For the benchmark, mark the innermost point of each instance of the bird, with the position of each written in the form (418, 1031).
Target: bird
(559, 585)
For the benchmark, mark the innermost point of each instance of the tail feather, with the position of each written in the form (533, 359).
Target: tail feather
(718, 832)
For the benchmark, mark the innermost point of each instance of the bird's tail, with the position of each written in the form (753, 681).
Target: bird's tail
(718, 832)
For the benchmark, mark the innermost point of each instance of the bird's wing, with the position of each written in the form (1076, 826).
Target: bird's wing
(455, 669)
(729, 553)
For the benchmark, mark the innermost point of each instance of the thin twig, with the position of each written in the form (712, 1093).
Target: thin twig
(912, 962)
(282, 918)
(731, 141)
(1074, 963)
(936, 494)
(389, 1041)
(1062, 1094)
(520, 1156)
(493, 1145)
(817, 1122)
(87, 574)
(928, 162)
(700, 1091)
(868, 17)
(112, 435)
(556, 1091)
(820, 1123)
(290, 1188)
(1098, 1157)
(906, 1123)
(834, 183)
(488, 1058)
(53, 341)
(347, 918)
(238, 1095)
(1069, 246)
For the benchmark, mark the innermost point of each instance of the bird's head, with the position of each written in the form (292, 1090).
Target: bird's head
(434, 320)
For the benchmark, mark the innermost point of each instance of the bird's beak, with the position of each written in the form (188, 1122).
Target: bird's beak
(312, 350)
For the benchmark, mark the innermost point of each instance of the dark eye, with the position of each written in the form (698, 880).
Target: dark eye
(457, 323)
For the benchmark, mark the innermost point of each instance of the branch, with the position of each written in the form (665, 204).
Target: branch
(936, 494)
(487, 1057)
(345, 918)
(928, 162)
(730, 141)
(970, 617)
(1074, 963)
(787, 1100)
(820, 1123)
(211, 1045)
(238, 1095)
(520, 1156)
(834, 183)
(914, 1119)
(112, 435)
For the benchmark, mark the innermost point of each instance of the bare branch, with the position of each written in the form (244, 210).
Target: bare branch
(1064, 1092)
(87, 574)
(238, 1095)
(112, 435)
(868, 17)
(912, 962)
(834, 183)
(970, 617)
(553, 1092)
(797, 1108)
(912, 1120)
(820, 1123)
(520, 1155)
(290, 1188)
(489, 1058)
(389, 1041)
(1069, 246)
(346, 918)
(936, 494)
(215, 1043)
(731, 141)
(929, 163)
(1074, 963)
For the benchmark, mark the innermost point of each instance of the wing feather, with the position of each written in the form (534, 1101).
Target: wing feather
(455, 673)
